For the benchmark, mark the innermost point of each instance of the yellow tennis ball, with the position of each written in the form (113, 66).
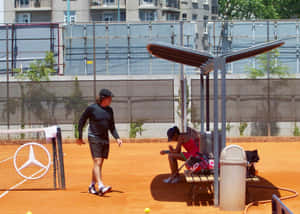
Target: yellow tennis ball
(147, 210)
(29, 212)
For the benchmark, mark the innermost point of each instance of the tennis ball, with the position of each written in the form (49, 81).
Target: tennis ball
(29, 212)
(147, 210)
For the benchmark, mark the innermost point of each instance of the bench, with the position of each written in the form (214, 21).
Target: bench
(205, 181)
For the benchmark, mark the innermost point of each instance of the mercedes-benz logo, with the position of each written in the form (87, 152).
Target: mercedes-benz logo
(32, 160)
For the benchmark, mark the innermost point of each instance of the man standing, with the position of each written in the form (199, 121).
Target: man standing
(101, 119)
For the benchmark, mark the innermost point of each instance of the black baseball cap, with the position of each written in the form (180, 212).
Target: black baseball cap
(171, 132)
(105, 93)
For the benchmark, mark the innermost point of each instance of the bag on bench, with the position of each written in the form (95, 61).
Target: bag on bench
(198, 163)
(252, 158)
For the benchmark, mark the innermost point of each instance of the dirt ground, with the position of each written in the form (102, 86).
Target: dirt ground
(135, 171)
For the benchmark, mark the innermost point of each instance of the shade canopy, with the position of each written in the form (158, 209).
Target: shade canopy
(195, 58)
(178, 54)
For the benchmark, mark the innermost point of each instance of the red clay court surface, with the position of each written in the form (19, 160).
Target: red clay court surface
(135, 171)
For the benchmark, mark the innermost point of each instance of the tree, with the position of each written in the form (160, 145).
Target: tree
(267, 62)
(288, 9)
(36, 95)
(247, 9)
(75, 105)
(263, 65)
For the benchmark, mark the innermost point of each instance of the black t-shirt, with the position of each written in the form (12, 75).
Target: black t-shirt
(100, 120)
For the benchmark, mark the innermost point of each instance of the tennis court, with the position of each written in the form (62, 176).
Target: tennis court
(135, 171)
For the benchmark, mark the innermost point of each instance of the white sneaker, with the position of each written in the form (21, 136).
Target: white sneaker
(104, 190)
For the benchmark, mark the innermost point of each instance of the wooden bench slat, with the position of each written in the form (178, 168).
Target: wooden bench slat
(204, 178)
(195, 178)
(210, 178)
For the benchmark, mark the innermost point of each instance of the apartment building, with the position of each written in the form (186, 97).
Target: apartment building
(30, 11)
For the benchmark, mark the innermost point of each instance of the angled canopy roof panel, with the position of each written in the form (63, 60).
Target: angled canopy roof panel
(178, 54)
(252, 51)
(195, 58)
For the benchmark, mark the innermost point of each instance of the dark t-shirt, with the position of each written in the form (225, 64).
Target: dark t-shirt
(100, 121)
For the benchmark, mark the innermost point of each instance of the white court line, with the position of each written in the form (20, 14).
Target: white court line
(6, 159)
(18, 184)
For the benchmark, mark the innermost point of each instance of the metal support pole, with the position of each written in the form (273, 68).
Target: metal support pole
(183, 87)
(118, 10)
(207, 104)
(216, 133)
(85, 49)
(128, 49)
(268, 79)
(61, 158)
(12, 48)
(58, 49)
(94, 59)
(68, 12)
(297, 48)
(223, 103)
(7, 80)
(202, 102)
(54, 159)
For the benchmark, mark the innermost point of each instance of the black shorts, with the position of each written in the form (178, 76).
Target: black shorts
(98, 148)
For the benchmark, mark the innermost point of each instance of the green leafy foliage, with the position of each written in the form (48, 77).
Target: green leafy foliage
(248, 9)
(275, 66)
(39, 70)
(228, 127)
(35, 97)
(75, 105)
(242, 128)
(136, 127)
(296, 131)
(259, 9)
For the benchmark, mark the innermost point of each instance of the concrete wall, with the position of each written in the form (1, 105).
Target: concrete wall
(1, 11)
(9, 14)
(132, 12)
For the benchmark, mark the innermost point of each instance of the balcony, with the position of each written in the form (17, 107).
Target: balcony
(148, 4)
(107, 4)
(33, 5)
(171, 5)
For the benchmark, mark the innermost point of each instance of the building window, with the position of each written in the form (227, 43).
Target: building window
(148, 15)
(205, 25)
(21, 3)
(108, 17)
(72, 16)
(184, 16)
(123, 16)
(172, 16)
(108, 2)
(172, 3)
(148, 2)
(214, 9)
(195, 5)
(194, 16)
(23, 18)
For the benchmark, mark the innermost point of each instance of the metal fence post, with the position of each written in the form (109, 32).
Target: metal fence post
(94, 56)
(7, 80)
(216, 132)
(223, 103)
(202, 102)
